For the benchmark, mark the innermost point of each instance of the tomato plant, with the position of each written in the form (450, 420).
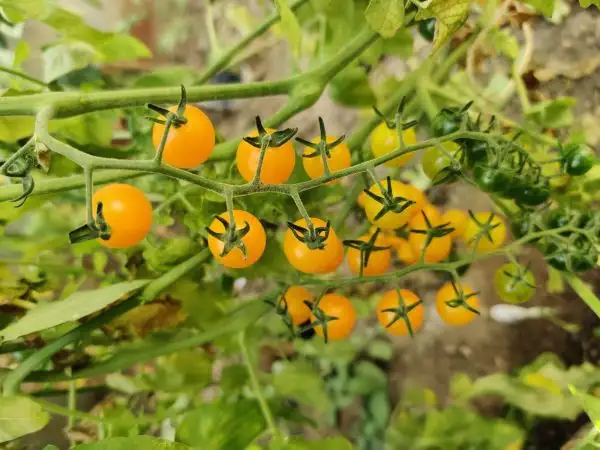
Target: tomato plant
(158, 241)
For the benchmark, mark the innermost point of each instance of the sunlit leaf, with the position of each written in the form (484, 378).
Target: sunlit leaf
(122, 47)
(385, 16)
(589, 403)
(331, 443)
(588, 3)
(290, 25)
(546, 7)
(129, 443)
(74, 307)
(63, 58)
(450, 16)
(555, 113)
(20, 416)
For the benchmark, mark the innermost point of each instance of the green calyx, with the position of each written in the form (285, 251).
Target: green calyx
(322, 147)
(313, 238)
(460, 301)
(232, 237)
(388, 202)
(266, 139)
(366, 248)
(96, 229)
(176, 119)
(401, 313)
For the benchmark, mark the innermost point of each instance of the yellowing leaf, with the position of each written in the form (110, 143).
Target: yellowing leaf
(588, 3)
(385, 16)
(151, 317)
(290, 26)
(20, 416)
(450, 16)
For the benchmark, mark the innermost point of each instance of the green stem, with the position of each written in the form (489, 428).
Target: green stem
(13, 380)
(264, 406)
(23, 76)
(227, 57)
(583, 291)
(16, 155)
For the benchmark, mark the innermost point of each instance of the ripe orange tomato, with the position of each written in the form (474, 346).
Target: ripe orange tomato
(392, 220)
(340, 159)
(404, 251)
(391, 300)
(457, 219)
(187, 145)
(335, 305)
(439, 248)
(278, 164)
(457, 315)
(255, 241)
(472, 230)
(315, 261)
(379, 260)
(127, 212)
(295, 297)
(384, 140)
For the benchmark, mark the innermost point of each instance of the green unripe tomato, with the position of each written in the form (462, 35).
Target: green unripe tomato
(514, 284)
(440, 164)
(427, 29)
(578, 159)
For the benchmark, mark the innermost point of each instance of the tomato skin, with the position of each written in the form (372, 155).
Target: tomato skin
(439, 248)
(446, 122)
(188, 145)
(340, 159)
(278, 164)
(511, 290)
(437, 163)
(392, 220)
(295, 297)
(457, 220)
(384, 140)
(313, 261)
(427, 29)
(491, 179)
(578, 159)
(379, 263)
(534, 194)
(127, 212)
(458, 316)
(485, 245)
(255, 241)
(522, 226)
(404, 251)
(476, 152)
(336, 305)
(391, 300)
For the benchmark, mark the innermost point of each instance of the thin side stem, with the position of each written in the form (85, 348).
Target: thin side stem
(264, 406)
(301, 208)
(89, 193)
(16, 155)
(23, 76)
(264, 148)
(163, 141)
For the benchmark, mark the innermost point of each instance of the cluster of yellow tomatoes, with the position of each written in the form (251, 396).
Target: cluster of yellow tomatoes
(129, 215)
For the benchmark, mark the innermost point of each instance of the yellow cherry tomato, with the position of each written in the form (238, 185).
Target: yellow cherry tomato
(340, 159)
(439, 248)
(379, 260)
(484, 244)
(254, 242)
(127, 212)
(295, 296)
(384, 140)
(338, 306)
(392, 220)
(278, 163)
(190, 144)
(404, 251)
(391, 300)
(457, 220)
(456, 315)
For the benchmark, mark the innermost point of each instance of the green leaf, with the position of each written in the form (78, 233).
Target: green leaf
(74, 307)
(546, 7)
(136, 442)
(504, 43)
(351, 88)
(184, 370)
(299, 381)
(290, 26)
(450, 16)
(588, 3)
(380, 350)
(63, 58)
(590, 404)
(22, 52)
(555, 283)
(50, 447)
(584, 292)
(401, 44)
(367, 378)
(20, 416)
(222, 425)
(555, 113)
(18, 11)
(540, 400)
(385, 16)
(331, 443)
(167, 76)
(122, 47)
